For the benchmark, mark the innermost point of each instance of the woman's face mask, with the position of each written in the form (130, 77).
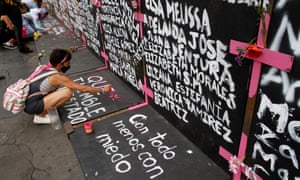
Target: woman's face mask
(65, 68)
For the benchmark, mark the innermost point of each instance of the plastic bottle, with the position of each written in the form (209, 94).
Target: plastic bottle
(54, 118)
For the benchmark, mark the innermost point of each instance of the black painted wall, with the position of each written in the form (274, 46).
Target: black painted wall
(182, 49)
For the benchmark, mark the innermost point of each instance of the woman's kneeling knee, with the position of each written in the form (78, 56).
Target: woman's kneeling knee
(68, 93)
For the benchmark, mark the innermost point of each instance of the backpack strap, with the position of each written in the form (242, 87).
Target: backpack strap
(40, 76)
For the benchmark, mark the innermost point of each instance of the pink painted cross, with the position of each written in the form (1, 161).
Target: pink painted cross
(269, 57)
(138, 16)
(242, 168)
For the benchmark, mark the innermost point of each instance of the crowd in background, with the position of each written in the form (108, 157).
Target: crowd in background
(19, 21)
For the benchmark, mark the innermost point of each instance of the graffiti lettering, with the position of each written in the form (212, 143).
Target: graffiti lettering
(279, 77)
(255, 3)
(269, 140)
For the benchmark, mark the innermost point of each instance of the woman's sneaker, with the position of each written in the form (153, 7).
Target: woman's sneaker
(41, 120)
(9, 45)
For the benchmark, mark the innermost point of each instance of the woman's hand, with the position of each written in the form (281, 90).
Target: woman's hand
(106, 88)
(11, 26)
(8, 22)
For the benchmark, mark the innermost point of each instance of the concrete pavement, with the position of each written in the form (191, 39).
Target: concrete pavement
(29, 151)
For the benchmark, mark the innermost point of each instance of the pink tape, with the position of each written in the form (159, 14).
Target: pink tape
(243, 145)
(242, 151)
(104, 55)
(138, 106)
(83, 38)
(138, 16)
(97, 3)
(147, 91)
(106, 59)
(100, 26)
(81, 47)
(103, 67)
(141, 22)
(224, 153)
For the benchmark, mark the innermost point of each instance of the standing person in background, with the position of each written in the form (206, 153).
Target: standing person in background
(15, 15)
(6, 29)
(51, 98)
(6, 32)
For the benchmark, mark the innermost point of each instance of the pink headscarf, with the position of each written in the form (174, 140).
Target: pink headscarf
(41, 68)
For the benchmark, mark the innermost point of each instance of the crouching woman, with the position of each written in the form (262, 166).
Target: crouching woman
(54, 90)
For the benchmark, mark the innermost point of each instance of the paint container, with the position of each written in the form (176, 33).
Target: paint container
(88, 127)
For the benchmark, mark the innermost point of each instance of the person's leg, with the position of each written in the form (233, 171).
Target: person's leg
(29, 28)
(11, 40)
(9, 44)
(56, 99)
(6, 39)
(31, 4)
(17, 20)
